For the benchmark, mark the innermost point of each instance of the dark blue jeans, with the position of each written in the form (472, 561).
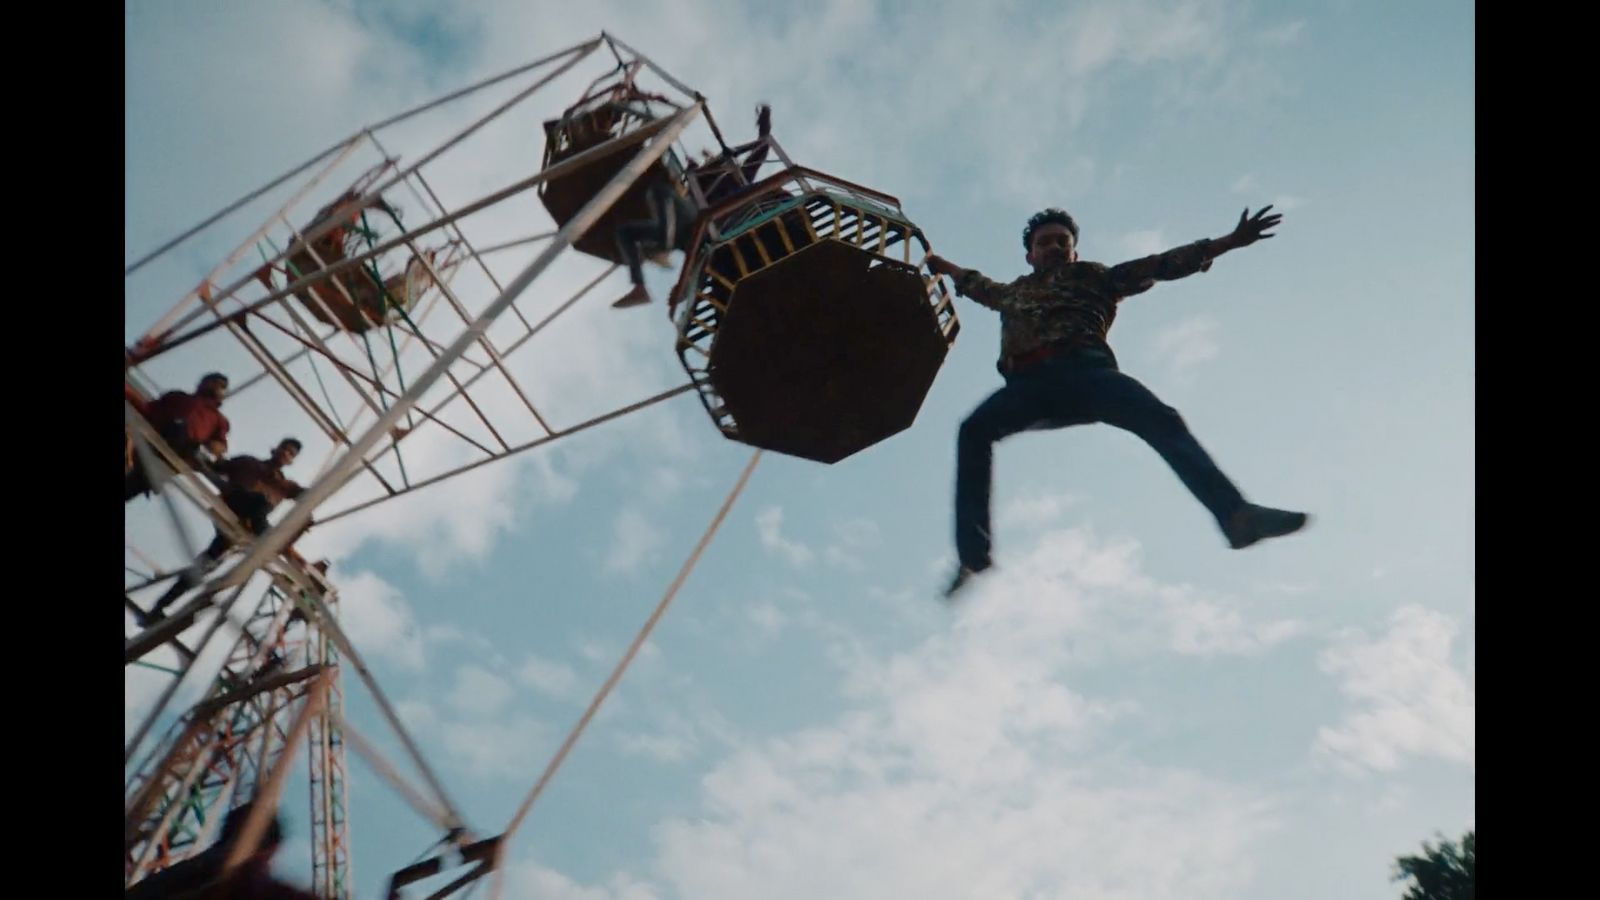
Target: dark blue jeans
(252, 509)
(1074, 390)
(671, 214)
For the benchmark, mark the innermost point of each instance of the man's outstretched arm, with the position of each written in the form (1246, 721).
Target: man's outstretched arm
(758, 155)
(972, 284)
(1140, 275)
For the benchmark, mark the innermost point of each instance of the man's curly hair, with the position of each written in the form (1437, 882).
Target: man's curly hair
(1051, 216)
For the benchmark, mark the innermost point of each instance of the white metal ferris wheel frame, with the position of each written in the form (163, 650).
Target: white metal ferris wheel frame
(653, 140)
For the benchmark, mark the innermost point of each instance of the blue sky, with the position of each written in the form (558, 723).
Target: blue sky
(1127, 709)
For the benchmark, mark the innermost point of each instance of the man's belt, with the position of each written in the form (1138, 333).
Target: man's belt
(1013, 364)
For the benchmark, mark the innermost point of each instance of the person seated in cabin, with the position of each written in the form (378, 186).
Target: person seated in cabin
(725, 176)
(672, 212)
(189, 423)
(353, 298)
(200, 876)
(400, 290)
(252, 490)
(667, 229)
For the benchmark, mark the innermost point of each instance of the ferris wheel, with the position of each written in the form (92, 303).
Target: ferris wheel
(369, 317)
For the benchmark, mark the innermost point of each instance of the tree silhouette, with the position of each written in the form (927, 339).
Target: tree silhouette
(1444, 872)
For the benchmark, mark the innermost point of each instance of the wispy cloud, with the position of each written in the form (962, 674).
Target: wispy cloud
(971, 725)
(1410, 700)
(769, 525)
(1204, 627)
(1287, 33)
(1186, 344)
(635, 541)
(1251, 186)
(1136, 244)
(554, 679)
(596, 651)
(480, 692)
(505, 747)
(529, 880)
(1034, 510)
(675, 740)
(851, 542)
(379, 621)
(768, 618)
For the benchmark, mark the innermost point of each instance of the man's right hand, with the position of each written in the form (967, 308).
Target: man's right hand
(1253, 228)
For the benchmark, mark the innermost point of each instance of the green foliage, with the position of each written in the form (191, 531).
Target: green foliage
(1444, 872)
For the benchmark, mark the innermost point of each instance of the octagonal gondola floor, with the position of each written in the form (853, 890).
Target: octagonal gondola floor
(826, 352)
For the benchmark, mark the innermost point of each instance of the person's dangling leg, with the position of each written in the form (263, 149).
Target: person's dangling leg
(135, 481)
(630, 235)
(1122, 401)
(1012, 409)
(189, 578)
(251, 509)
(641, 236)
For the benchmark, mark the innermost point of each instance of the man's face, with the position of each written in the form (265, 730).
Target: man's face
(284, 454)
(215, 388)
(1052, 246)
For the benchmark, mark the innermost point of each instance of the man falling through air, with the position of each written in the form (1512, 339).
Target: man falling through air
(1059, 371)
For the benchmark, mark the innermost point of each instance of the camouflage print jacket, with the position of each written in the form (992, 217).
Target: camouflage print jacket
(1072, 306)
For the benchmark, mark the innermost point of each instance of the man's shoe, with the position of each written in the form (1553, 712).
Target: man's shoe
(1254, 523)
(962, 578)
(636, 297)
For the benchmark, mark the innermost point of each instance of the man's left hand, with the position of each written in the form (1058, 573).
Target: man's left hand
(1253, 228)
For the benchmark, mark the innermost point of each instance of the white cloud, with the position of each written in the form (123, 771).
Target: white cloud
(378, 620)
(596, 651)
(555, 679)
(769, 524)
(528, 880)
(664, 746)
(786, 829)
(1138, 244)
(1290, 588)
(1187, 344)
(1287, 33)
(418, 715)
(1280, 203)
(508, 747)
(636, 542)
(1203, 628)
(440, 526)
(444, 634)
(1096, 588)
(1410, 699)
(480, 692)
(967, 767)
(768, 618)
(1034, 510)
(850, 538)
(487, 742)
(665, 483)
